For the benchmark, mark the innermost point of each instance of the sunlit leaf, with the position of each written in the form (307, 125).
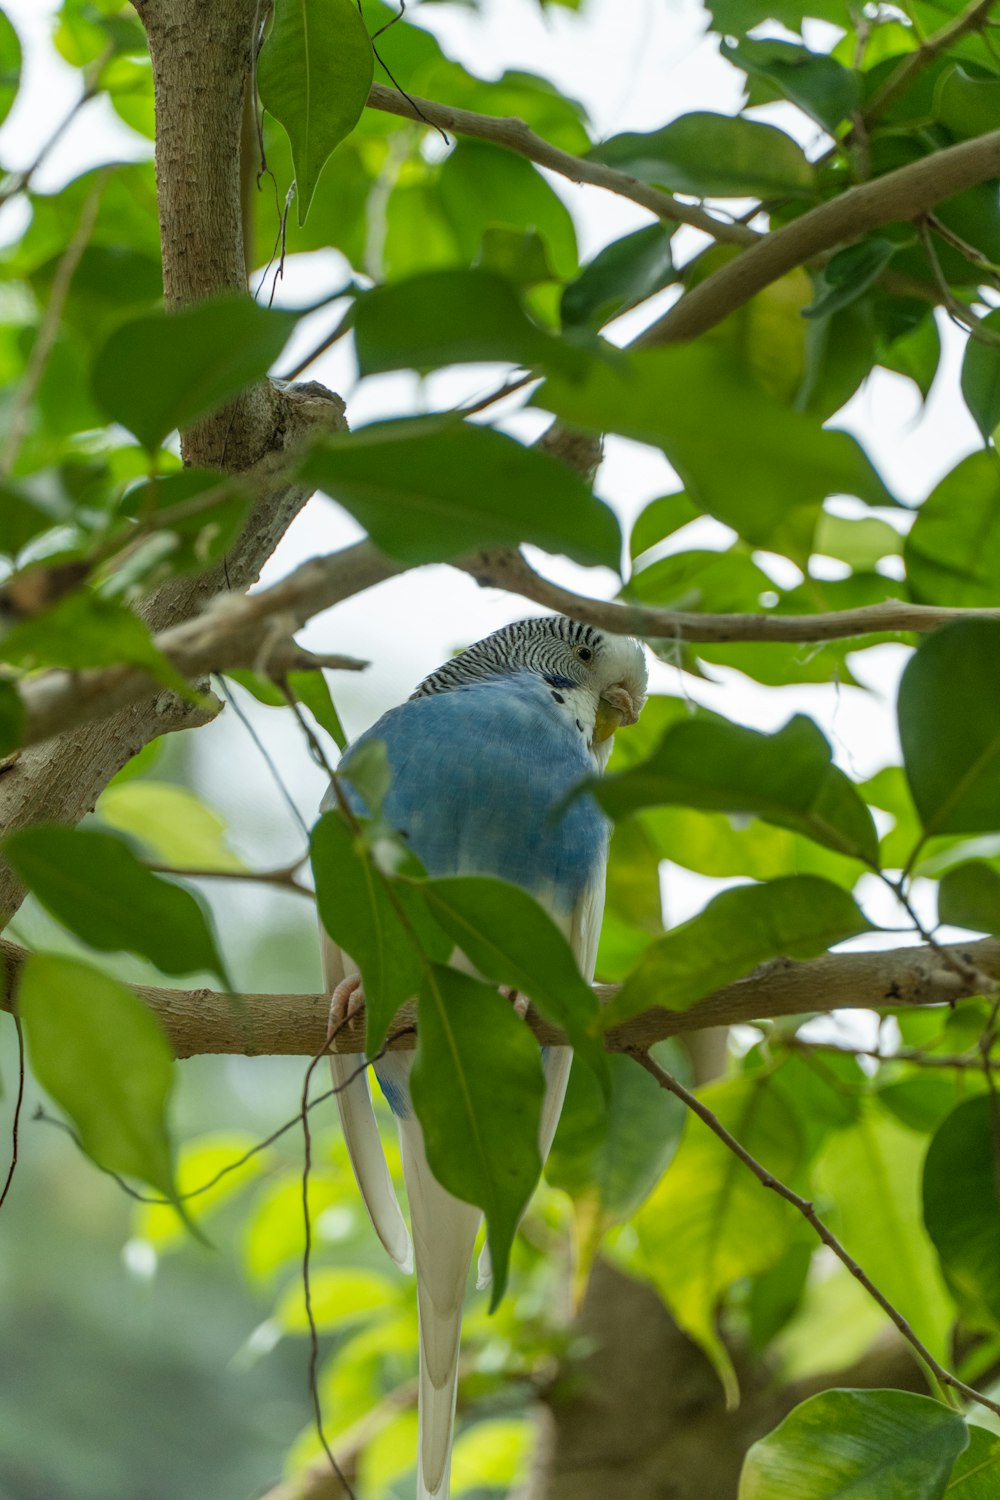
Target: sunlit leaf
(338, 1297)
(171, 821)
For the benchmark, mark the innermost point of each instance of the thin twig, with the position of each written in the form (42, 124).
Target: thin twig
(912, 1055)
(515, 135)
(284, 876)
(23, 179)
(807, 1210)
(16, 1123)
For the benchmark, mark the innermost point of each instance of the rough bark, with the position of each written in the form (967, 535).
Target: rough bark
(642, 1416)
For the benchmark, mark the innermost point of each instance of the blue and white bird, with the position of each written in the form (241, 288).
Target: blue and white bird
(482, 754)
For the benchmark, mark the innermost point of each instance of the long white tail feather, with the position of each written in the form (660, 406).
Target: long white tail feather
(361, 1135)
(444, 1233)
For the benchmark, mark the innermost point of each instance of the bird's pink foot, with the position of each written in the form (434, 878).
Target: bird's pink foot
(346, 1001)
(518, 1001)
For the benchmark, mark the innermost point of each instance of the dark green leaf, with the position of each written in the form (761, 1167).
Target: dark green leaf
(356, 911)
(981, 372)
(866, 1445)
(953, 550)
(312, 689)
(737, 17)
(477, 1088)
(22, 517)
(962, 1207)
(95, 886)
(103, 1058)
(621, 275)
(976, 1475)
(798, 916)
(816, 82)
(949, 727)
(969, 896)
(968, 106)
(915, 354)
(408, 483)
(314, 73)
(610, 1154)
(368, 770)
(849, 274)
(713, 156)
(786, 778)
(777, 1293)
(509, 939)
(453, 317)
(202, 356)
(694, 402)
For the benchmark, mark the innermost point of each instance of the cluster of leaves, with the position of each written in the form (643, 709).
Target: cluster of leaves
(469, 256)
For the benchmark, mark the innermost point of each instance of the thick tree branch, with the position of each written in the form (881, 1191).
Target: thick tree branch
(203, 1020)
(893, 198)
(514, 135)
(236, 630)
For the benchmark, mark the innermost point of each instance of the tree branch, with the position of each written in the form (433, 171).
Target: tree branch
(515, 135)
(237, 630)
(204, 1020)
(893, 198)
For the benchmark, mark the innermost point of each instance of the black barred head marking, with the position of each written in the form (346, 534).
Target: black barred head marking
(561, 651)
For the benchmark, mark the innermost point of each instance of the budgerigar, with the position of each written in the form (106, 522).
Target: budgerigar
(482, 754)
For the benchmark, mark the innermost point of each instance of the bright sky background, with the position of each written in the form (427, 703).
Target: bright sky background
(635, 66)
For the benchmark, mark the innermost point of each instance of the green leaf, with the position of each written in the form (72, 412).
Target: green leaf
(820, 85)
(86, 629)
(95, 886)
(981, 372)
(968, 106)
(358, 913)
(314, 74)
(339, 1297)
(202, 511)
(97, 1050)
(482, 187)
(857, 1445)
(871, 1173)
(695, 403)
(737, 17)
(621, 275)
(509, 939)
(969, 896)
(492, 1455)
(786, 778)
(712, 156)
(976, 1475)
(477, 1087)
(962, 1208)
(710, 1223)
(949, 727)
(407, 482)
(10, 66)
(798, 916)
(171, 822)
(608, 1155)
(449, 318)
(849, 274)
(368, 770)
(202, 355)
(312, 689)
(952, 553)
(660, 519)
(861, 543)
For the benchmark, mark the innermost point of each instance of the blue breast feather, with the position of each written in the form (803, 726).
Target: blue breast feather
(478, 772)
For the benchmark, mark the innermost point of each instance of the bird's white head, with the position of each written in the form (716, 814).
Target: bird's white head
(599, 679)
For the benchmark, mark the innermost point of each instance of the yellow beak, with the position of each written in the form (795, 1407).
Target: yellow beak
(614, 709)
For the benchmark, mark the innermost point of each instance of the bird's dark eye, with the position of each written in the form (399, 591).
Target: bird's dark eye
(584, 653)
